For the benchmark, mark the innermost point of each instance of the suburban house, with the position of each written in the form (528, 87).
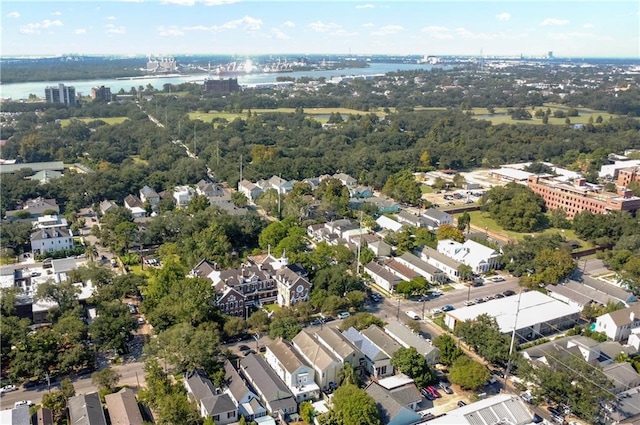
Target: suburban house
(480, 258)
(45, 176)
(216, 194)
(448, 265)
(346, 180)
(273, 392)
(424, 269)
(250, 190)
(50, 240)
(106, 206)
(407, 338)
(340, 347)
(293, 286)
(327, 368)
(211, 402)
(151, 196)
(247, 401)
(391, 405)
(388, 223)
(52, 221)
(377, 359)
(380, 248)
(293, 370)
(204, 269)
(183, 195)
(618, 324)
(437, 218)
(385, 206)
(122, 408)
(135, 205)
(403, 389)
(408, 219)
(360, 192)
(400, 269)
(279, 184)
(382, 277)
(35, 208)
(85, 409)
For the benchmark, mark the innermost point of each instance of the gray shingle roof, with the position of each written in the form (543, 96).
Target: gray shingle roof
(123, 408)
(266, 382)
(85, 409)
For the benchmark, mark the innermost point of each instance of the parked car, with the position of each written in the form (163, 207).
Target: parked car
(426, 394)
(244, 349)
(461, 403)
(469, 303)
(554, 411)
(344, 315)
(497, 372)
(508, 293)
(29, 385)
(445, 387)
(434, 391)
(23, 403)
(8, 389)
(413, 315)
(316, 322)
(497, 279)
(497, 296)
(448, 307)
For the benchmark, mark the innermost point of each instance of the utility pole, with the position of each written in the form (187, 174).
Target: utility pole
(513, 338)
(194, 140)
(359, 247)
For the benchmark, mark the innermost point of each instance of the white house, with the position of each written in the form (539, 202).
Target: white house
(147, 194)
(135, 205)
(293, 370)
(618, 324)
(182, 195)
(424, 269)
(448, 265)
(50, 240)
(438, 217)
(480, 258)
(50, 222)
(385, 279)
(388, 223)
(250, 190)
(327, 367)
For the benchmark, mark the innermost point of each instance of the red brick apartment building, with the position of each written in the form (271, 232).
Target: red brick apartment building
(577, 197)
(628, 175)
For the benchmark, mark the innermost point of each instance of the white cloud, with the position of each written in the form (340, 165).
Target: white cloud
(435, 31)
(13, 15)
(112, 29)
(368, 25)
(388, 30)
(588, 25)
(197, 28)
(288, 24)
(319, 26)
(247, 23)
(365, 6)
(277, 33)
(170, 31)
(56, 13)
(80, 31)
(504, 16)
(553, 21)
(35, 27)
(110, 18)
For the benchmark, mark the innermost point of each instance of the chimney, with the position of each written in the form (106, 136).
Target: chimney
(632, 316)
(579, 182)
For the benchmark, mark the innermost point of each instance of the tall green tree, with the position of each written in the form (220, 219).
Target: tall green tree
(468, 373)
(414, 365)
(353, 406)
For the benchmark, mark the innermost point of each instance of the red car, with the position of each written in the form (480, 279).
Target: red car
(433, 391)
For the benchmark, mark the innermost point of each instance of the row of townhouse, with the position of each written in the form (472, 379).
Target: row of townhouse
(261, 280)
(297, 371)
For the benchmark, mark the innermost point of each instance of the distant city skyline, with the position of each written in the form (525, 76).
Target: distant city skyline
(571, 29)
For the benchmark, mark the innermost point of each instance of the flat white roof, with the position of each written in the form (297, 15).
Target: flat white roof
(395, 381)
(535, 307)
(490, 410)
(512, 173)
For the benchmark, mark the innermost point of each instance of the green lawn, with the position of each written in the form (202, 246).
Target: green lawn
(482, 220)
(109, 120)
(316, 113)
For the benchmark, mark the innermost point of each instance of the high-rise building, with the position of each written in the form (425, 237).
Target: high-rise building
(101, 94)
(60, 94)
(221, 86)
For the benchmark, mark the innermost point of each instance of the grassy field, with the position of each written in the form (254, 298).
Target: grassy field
(318, 114)
(482, 219)
(110, 120)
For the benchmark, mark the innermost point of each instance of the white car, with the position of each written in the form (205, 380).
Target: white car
(344, 315)
(23, 403)
(413, 315)
(8, 389)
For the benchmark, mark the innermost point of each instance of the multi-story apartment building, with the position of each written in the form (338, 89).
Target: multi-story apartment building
(628, 175)
(101, 94)
(60, 94)
(578, 197)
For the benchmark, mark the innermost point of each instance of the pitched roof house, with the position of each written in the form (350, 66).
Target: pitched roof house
(384, 278)
(105, 206)
(292, 287)
(448, 265)
(293, 370)
(135, 205)
(407, 338)
(250, 190)
(480, 258)
(211, 401)
(272, 390)
(122, 408)
(618, 324)
(377, 362)
(247, 401)
(36, 207)
(340, 346)
(392, 411)
(438, 217)
(50, 240)
(326, 366)
(150, 195)
(85, 409)
(424, 269)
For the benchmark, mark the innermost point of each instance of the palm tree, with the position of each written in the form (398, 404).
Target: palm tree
(91, 252)
(348, 375)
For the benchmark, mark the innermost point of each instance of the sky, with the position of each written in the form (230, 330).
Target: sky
(571, 29)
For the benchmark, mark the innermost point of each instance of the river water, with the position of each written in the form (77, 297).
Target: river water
(23, 90)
